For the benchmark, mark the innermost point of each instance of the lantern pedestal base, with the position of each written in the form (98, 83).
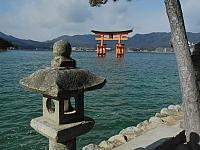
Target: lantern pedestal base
(60, 135)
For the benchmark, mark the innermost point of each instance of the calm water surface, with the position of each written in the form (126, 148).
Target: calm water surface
(137, 87)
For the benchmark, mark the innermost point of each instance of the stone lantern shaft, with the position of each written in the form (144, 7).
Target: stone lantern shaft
(68, 145)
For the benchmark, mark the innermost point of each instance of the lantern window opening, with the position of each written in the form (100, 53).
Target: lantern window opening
(50, 105)
(69, 106)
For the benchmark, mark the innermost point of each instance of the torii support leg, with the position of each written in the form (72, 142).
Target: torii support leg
(101, 50)
(119, 50)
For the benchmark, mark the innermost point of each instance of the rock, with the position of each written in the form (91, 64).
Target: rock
(128, 130)
(164, 111)
(145, 122)
(140, 125)
(108, 144)
(167, 112)
(158, 115)
(129, 136)
(156, 120)
(118, 138)
(91, 147)
(177, 108)
(143, 125)
(131, 132)
(171, 107)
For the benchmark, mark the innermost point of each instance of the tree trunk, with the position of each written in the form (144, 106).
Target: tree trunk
(188, 83)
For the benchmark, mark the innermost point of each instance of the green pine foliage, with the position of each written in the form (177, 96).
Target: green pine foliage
(4, 44)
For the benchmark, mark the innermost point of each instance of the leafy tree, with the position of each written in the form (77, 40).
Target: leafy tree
(188, 81)
(4, 44)
(100, 2)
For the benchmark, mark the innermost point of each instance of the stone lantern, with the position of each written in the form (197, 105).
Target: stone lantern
(61, 122)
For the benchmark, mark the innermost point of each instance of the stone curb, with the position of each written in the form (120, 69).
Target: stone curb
(166, 117)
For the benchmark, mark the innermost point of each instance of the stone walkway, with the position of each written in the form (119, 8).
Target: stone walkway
(146, 135)
(152, 138)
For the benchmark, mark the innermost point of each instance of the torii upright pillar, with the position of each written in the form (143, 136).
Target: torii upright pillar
(109, 36)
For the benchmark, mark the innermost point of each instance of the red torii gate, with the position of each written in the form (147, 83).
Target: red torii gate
(111, 35)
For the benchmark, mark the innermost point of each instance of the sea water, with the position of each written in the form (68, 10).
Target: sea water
(137, 87)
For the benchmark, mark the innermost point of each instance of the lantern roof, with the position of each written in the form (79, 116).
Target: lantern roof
(55, 82)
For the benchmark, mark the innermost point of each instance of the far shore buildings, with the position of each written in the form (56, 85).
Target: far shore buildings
(133, 49)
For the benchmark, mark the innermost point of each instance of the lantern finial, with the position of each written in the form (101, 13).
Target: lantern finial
(62, 51)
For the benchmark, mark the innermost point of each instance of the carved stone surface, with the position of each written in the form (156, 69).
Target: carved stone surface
(53, 81)
(62, 81)
(62, 51)
(62, 48)
(63, 76)
(62, 133)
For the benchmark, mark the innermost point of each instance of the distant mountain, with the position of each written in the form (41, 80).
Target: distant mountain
(157, 39)
(86, 40)
(24, 44)
(151, 40)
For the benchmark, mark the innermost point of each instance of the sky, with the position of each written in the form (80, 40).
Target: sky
(43, 20)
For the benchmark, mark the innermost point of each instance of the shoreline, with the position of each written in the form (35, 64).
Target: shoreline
(155, 52)
(167, 118)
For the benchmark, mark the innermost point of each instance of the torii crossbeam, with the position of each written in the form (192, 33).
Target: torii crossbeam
(108, 36)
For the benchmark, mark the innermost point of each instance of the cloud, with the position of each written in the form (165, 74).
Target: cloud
(39, 19)
(47, 19)
(111, 16)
